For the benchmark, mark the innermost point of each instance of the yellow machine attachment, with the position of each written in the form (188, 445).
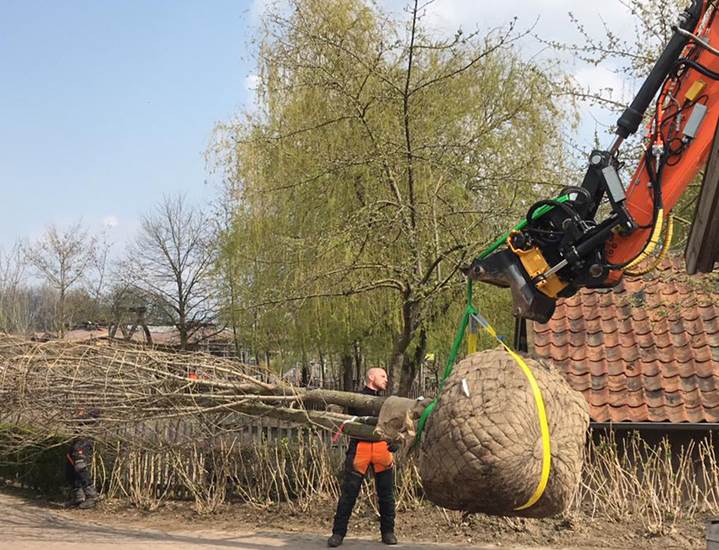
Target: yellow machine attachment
(536, 266)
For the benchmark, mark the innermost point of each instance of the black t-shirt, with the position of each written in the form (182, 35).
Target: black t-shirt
(366, 391)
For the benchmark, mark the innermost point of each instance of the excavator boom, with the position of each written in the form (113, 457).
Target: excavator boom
(562, 246)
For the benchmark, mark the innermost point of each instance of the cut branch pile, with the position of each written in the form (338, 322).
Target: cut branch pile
(46, 384)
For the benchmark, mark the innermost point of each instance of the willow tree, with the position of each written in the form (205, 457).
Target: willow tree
(381, 159)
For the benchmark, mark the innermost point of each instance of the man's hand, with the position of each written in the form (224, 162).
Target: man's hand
(80, 464)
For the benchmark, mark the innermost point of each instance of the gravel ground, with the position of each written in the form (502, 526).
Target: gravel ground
(28, 525)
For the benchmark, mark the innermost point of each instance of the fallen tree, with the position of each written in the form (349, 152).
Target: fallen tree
(480, 450)
(50, 382)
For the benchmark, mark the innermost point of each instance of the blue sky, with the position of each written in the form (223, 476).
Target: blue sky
(105, 106)
(108, 105)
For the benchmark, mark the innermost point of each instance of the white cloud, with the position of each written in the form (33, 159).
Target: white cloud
(110, 221)
(600, 78)
(551, 16)
(251, 82)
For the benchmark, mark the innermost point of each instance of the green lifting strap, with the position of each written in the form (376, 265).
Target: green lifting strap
(468, 312)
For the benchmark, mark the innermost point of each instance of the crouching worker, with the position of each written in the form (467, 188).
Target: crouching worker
(77, 465)
(361, 456)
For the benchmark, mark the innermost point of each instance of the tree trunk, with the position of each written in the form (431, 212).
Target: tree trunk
(396, 365)
(322, 369)
(61, 313)
(182, 329)
(365, 405)
(347, 362)
(236, 341)
(333, 421)
(359, 376)
(183, 338)
(401, 343)
(411, 364)
(305, 373)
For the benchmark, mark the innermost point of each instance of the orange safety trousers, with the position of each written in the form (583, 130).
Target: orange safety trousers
(375, 453)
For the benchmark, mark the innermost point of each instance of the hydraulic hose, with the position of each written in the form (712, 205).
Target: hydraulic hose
(538, 213)
(652, 243)
(665, 248)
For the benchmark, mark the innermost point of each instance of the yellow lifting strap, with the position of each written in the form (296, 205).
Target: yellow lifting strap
(541, 412)
(472, 336)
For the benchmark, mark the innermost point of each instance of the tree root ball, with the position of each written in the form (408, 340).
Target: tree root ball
(481, 449)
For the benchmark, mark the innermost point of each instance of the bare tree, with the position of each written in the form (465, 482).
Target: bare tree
(16, 312)
(171, 264)
(61, 258)
(96, 279)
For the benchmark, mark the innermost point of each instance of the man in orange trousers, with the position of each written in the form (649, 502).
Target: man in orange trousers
(361, 455)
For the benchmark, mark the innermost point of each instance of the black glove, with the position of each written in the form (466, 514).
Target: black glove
(393, 446)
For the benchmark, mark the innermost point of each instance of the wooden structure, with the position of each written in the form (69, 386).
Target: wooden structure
(128, 329)
(702, 250)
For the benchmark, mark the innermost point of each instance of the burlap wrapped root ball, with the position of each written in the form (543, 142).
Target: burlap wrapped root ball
(482, 449)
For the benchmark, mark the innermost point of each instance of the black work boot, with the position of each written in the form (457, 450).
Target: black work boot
(389, 538)
(335, 540)
(77, 497)
(91, 498)
(87, 504)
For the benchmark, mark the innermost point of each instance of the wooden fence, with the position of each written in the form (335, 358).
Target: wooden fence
(162, 459)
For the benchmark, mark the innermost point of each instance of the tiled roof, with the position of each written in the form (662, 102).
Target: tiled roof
(161, 335)
(646, 350)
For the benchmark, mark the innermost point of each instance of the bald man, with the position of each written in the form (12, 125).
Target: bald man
(361, 456)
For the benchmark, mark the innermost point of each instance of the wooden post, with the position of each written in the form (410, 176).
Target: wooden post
(702, 249)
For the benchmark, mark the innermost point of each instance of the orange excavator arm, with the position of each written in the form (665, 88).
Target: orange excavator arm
(562, 246)
(684, 142)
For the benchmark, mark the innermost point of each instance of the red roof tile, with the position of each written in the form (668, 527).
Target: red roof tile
(644, 351)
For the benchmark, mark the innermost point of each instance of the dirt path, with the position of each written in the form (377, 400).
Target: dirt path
(28, 526)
